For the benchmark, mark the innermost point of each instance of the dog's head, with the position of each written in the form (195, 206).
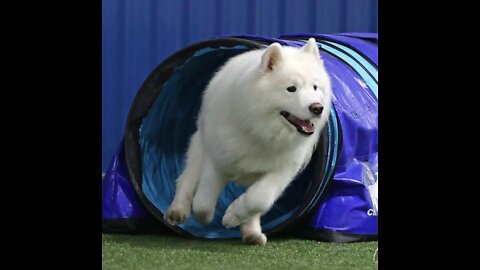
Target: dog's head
(296, 86)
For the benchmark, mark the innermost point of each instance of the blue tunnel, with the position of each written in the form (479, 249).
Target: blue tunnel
(140, 181)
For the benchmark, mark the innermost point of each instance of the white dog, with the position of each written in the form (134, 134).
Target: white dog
(258, 125)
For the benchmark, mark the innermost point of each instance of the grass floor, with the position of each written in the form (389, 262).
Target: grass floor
(174, 252)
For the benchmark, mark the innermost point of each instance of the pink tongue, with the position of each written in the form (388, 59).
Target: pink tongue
(307, 126)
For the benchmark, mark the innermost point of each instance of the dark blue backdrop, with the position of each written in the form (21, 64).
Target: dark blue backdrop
(137, 35)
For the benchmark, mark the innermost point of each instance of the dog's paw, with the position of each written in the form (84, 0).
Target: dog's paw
(230, 220)
(255, 239)
(177, 215)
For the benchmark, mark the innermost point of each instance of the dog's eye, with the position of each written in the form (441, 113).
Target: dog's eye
(291, 89)
(315, 87)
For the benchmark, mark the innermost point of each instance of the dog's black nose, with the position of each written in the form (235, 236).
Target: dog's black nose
(316, 108)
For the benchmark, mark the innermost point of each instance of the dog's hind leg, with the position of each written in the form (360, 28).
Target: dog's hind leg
(179, 210)
(252, 231)
(259, 197)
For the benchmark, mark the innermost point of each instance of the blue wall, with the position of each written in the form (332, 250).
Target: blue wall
(137, 35)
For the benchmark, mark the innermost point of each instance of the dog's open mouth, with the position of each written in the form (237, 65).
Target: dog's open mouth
(304, 127)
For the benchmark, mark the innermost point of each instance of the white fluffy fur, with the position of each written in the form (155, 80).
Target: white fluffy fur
(242, 137)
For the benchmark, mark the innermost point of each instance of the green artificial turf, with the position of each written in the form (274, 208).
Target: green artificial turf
(175, 252)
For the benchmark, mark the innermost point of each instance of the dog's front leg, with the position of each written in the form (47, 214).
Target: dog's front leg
(209, 188)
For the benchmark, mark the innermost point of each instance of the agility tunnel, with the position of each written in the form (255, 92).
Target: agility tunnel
(334, 198)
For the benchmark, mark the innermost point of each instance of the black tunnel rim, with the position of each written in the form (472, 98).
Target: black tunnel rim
(144, 99)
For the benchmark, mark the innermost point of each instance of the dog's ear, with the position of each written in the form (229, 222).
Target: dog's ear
(311, 47)
(271, 57)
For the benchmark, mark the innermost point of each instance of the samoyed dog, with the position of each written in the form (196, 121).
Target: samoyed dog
(259, 122)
